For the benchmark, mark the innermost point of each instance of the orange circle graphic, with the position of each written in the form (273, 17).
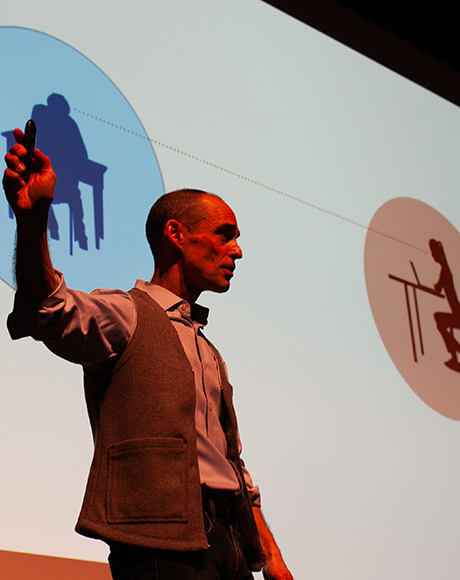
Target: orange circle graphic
(412, 269)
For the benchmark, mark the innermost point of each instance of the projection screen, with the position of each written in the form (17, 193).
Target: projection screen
(340, 173)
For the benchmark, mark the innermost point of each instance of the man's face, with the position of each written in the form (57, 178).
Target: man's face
(210, 250)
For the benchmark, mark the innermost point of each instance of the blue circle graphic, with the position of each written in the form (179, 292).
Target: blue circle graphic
(107, 171)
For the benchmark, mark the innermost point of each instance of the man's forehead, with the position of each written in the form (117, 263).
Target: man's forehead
(216, 208)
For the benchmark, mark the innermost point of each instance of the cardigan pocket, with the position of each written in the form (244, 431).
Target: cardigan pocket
(147, 481)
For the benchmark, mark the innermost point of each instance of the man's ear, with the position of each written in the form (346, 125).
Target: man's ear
(174, 232)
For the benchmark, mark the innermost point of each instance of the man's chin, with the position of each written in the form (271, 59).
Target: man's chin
(221, 288)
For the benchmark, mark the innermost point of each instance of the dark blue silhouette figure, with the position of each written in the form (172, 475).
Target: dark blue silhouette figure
(59, 137)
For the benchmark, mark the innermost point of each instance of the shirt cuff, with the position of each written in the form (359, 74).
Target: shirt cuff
(254, 496)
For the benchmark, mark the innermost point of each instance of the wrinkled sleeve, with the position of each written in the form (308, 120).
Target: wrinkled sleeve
(253, 490)
(88, 329)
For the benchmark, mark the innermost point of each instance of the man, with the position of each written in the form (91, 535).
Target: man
(167, 489)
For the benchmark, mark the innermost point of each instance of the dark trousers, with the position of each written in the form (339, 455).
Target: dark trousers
(223, 560)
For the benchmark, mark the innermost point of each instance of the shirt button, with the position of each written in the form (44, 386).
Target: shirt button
(183, 306)
(210, 406)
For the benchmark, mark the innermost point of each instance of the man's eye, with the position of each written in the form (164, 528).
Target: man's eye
(225, 236)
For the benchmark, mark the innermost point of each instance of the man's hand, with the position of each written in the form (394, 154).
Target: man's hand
(28, 192)
(274, 568)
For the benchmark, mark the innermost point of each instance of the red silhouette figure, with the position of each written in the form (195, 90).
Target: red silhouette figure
(447, 321)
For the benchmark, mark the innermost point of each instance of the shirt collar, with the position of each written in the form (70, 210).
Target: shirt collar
(169, 301)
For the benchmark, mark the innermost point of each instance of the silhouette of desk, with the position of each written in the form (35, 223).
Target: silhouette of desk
(92, 174)
(415, 287)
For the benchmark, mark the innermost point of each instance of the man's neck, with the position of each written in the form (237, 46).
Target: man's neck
(172, 280)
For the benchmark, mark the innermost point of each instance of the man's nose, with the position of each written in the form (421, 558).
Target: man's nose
(236, 252)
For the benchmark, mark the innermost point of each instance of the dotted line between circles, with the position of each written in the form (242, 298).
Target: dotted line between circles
(249, 180)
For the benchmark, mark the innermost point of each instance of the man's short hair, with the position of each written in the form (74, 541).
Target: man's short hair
(183, 205)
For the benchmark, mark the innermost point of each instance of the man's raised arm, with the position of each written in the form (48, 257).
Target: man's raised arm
(30, 199)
